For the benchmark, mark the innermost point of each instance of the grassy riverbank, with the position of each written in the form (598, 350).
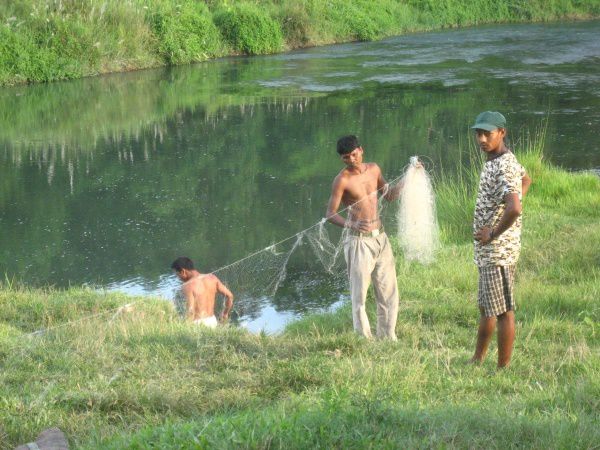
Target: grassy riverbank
(45, 40)
(140, 378)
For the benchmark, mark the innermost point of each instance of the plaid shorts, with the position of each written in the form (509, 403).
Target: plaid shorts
(495, 294)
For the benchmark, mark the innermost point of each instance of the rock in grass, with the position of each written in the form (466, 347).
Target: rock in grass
(50, 439)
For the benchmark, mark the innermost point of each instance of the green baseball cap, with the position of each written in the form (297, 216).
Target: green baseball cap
(489, 121)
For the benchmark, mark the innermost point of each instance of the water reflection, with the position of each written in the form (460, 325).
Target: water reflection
(105, 181)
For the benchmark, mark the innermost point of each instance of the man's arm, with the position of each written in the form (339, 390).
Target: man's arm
(393, 193)
(222, 289)
(512, 210)
(190, 300)
(337, 190)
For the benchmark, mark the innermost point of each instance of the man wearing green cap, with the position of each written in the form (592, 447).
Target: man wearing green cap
(497, 232)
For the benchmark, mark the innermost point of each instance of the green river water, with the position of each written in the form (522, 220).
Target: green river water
(104, 181)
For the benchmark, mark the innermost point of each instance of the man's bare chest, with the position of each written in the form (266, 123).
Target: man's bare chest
(359, 189)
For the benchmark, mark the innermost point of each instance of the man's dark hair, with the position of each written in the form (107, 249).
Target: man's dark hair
(347, 144)
(183, 262)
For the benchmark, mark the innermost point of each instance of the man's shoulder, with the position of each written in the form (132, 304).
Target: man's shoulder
(508, 159)
(508, 164)
(499, 164)
(210, 279)
(199, 280)
(374, 171)
(342, 177)
(344, 173)
(346, 178)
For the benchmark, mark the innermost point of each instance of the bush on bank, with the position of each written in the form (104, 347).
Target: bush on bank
(185, 32)
(45, 40)
(249, 30)
(56, 48)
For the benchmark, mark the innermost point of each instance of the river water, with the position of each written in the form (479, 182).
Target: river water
(104, 181)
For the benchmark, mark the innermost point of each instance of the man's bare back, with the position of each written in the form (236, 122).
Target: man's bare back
(200, 291)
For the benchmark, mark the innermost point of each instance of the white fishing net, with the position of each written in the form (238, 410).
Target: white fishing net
(330, 255)
(418, 231)
(255, 280)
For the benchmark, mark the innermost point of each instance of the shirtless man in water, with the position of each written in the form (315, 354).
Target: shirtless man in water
(199, 292)
(367, 249)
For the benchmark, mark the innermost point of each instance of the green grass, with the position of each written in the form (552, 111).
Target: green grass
(46, 40)
(249, 30)
(141, 378)
(185, 32)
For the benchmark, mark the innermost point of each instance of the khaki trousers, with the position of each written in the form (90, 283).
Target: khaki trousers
(371, 259)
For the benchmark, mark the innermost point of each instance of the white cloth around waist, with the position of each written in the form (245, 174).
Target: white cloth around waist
(210, 322)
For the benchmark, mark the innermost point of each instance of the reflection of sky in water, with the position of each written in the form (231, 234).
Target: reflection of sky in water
(270, 321)
(164, 287)
(320, 87)
(339, 74)
(301, 291)
(266, 319)
(490, 48)
(447, 78)
(550, 79)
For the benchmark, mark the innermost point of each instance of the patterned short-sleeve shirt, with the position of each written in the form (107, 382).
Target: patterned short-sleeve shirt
(500, 176)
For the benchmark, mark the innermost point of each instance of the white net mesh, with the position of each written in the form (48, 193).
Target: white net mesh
(254, 280)
(329, 254)
(418, 231)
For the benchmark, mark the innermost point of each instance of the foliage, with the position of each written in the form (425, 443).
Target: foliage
(462, 13)
(47, 50)
(357, 23)
(185, 32)
(295, 23)
(45, 40)
(249, 29)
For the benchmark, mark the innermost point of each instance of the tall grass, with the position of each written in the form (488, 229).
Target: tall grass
(45, 40)
(185, 32)
(140, 378)
(456, 193)
(249, 29)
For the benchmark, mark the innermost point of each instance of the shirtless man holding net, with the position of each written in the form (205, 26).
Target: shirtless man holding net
(196, 300)
(367, 249)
